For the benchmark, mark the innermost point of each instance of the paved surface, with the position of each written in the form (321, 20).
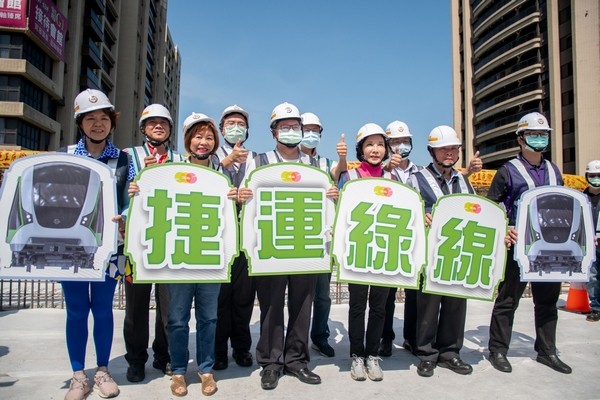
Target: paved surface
(34, 364)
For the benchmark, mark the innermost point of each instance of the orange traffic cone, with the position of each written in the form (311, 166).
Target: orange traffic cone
(577, 298)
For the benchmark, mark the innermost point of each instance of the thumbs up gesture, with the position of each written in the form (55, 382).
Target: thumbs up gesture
(342, 148)
(395, 160)
(475, 165)
(239, 154)
(151, 159)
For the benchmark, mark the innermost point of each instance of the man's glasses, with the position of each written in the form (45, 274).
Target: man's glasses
(240, 124)
(536, 134)
(287, 128)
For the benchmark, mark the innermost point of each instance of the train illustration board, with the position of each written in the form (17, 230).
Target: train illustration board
(57, 220)
(556, 235)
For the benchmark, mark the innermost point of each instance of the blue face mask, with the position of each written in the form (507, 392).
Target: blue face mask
(311, 139)
(290, 138)
(403, 149)
(234, 133)
(537, 144)
(594, 181)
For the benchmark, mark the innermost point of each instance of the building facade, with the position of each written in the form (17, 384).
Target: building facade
(511, 57)
(50, 50)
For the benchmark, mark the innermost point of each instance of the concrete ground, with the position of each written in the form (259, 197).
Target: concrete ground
(34, 364)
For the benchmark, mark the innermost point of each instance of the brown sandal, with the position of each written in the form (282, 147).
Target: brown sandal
(209, 385)
(178, 386)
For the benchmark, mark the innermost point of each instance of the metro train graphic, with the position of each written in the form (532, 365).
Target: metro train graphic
(555, 234)
(56, 218)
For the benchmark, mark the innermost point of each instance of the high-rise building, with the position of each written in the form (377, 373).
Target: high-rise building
(50, 50)
(511, 57)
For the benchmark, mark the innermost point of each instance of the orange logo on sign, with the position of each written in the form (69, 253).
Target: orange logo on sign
(383, 191)
(185, 177)
(473, 208)
(290, 176)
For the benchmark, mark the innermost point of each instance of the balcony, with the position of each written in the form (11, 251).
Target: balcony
(506, 95)
(92, 52)
(506, 52)
(537, 94)
(492, 14)
(94, 25)
(97, 5)
(505, 71)
(503, 31)
(89, 80)
(111, 11)
(512, 118)
(501, 79)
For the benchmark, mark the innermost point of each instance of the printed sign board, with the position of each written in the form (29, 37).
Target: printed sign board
(57, 224)
(181, 226)
(556, 235)
(379, 233)
(466, 250)
(286, 226)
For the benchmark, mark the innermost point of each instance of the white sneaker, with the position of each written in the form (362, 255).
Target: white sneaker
(104, 384)
(374, 371)
(357, 371)
(79, 388)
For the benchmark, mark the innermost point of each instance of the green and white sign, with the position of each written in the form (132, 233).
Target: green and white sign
(286, 226)
(181, 225)
(466, 251)
(556, 235)
(379, 233)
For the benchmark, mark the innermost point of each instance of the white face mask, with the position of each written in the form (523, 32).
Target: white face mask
(291, 137)
(311, 139)
(234, 133)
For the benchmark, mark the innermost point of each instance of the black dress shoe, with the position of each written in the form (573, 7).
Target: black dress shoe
(324, 349)
(306, 376)
(408, 346)
(242, 358)
(555, 363)
(385, 348)
(220, 363)
(426, 368)
(136, 373)
(500, 362)
(165, 367)
(457, 365)
(593, 317)
(269, 379)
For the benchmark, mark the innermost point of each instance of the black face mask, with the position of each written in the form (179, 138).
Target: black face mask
(200, 156)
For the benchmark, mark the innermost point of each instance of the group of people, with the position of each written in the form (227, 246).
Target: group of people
(433, 324)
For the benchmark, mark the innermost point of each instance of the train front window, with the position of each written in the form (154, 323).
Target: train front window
(58, 195)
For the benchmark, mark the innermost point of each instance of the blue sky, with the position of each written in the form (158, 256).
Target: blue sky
(350, 62)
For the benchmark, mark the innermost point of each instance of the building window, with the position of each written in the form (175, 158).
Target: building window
(10, 86)
(11, 46)
(32, 137)
(567, 98)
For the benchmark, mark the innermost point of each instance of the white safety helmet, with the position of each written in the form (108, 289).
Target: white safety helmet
(533, 122)
(397, 129)
(284, 111)
(442, 136)
(155, 110)
(234, 109)
(91, 100)
(369, 129)
(593, 167)
(364, 132)
(196, 118)
(311, 119)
